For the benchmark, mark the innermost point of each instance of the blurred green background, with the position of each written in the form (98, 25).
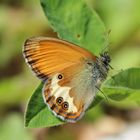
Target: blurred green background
(22, 19)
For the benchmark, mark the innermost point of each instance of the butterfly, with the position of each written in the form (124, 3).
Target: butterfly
(71, 74)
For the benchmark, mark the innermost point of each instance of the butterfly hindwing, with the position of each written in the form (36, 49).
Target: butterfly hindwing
(64, 94)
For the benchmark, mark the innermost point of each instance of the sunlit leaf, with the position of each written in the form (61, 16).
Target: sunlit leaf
(124, 88)
(74, 21)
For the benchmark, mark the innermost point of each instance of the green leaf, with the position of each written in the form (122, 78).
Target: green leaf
(74, 21)
(38, 114)
(123, 89)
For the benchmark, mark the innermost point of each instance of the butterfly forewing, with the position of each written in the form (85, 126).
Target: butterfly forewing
(46, 56)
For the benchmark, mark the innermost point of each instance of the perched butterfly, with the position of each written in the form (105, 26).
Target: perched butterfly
(71, 75)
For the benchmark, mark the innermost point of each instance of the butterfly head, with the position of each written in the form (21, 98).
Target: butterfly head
(105, 59)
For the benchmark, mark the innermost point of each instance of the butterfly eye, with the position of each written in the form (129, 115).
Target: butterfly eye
(59, 100)
(90, 64)
(60, 76)
(65, 105)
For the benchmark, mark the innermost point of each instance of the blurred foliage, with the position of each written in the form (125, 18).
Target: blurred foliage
(15, 27)
(15, 129)
(22, 19)
(122, 17)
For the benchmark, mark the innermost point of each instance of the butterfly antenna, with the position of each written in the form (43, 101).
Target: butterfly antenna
(103, 94)
(110, 66)
(107, 43)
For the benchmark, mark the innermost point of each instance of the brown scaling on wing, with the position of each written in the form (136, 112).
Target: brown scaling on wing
(78, 103)
(50, 99)
(69, 73)
(47, 90)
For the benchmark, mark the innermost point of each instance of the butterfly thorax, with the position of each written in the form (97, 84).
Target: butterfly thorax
(101, 68)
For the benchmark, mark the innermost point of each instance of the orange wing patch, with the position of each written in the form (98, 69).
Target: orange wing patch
(47, 56)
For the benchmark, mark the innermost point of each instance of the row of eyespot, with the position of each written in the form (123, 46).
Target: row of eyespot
(60, 102)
